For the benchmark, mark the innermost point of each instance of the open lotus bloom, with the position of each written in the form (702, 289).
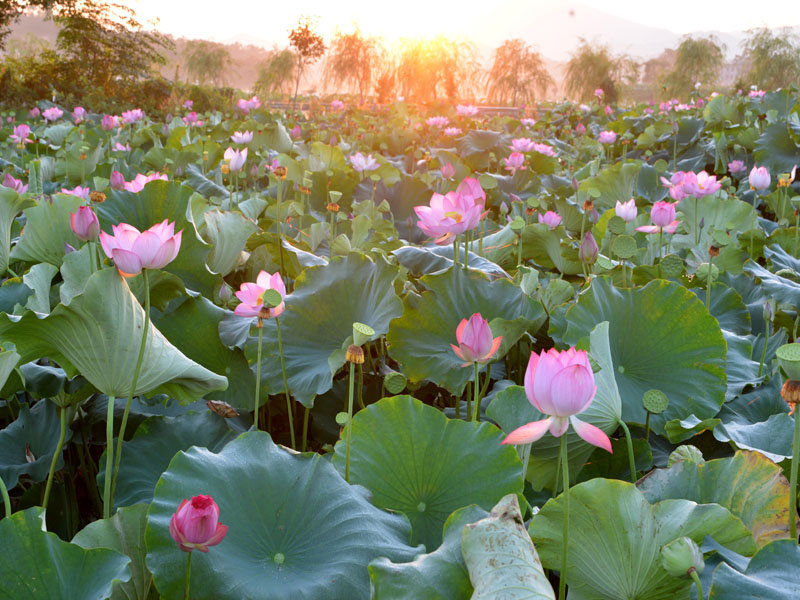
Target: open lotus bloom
(363, 163)
(195, 525)
(242, 137)
(626, 210)
(521, 144)
(759, 178)
(132, 250)
(235, 158)
(663, 216)
(448, 215)
(550, 218)
(475, 341)
(561, 385)
(251, 296)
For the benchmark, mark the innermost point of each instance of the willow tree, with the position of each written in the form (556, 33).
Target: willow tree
(518, 74)
(352, 61)
(593, 66)
(696, 61)
(774, 58)
(276, 72)
(207, 61)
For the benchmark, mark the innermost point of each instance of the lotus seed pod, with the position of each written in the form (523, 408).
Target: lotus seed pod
(789, 359)
(655, 401)
(682, 556)
(362, 333)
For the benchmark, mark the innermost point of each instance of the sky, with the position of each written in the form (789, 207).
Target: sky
(269, 22)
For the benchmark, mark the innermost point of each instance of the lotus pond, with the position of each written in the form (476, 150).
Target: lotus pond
(401, 354)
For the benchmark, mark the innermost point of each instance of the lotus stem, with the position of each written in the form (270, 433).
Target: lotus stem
(562, 576)
(768, 327)
(696, 230)
(476, 408)
(62, 414)
(483, 232)
(519, 249)
(793, 480)
(333, 235)
(698, 586)
(188, 576)
(260, 326)
(109, 458)
(466, 250)
(709, 281)
(469, 401)
(629, 441)
(280, 225)
(305, 429)
(526, 454)
(92, 257)
(361, 385)
(796, 229)
(142, 344)
(455, 251)
(647, 427)
(660, 240)
(285, 384)
(349, 422)
(6, 499)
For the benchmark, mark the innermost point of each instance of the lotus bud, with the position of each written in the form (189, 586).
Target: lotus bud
(355, 354)
(588, 250)
(682, 556)
(117, 180)
(770, 306)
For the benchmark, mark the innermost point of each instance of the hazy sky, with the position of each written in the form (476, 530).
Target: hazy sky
(270, 21)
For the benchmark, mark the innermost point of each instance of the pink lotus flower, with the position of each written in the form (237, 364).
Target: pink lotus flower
(452, 131)
(759, 178)
(448, 215)
(599, 93)
(273, 165)
(608, 110)
(15, 184)
(132, 250)
(437, 121)
(242, 137)
(247, 105)
(79, 113)
(251, 296)
(80, 192)
(607, 137)
(736, 166)
(626, 210)
(52, 114)
(675, 184)
(188, 105)
(337, 105)
(21, 133)
(34, 112)
(561, 385)
(296, 132)
(580, 128)
(470, 189)
(117, 180)
(514, 162)
(84, 224)
(528, 122)
(475, 342)
(363, 163)
(588, 250)
(544, 149)
(701, 185)
(235, 158)
(137, 184)
(122, 147)
(191, 118)
(132, 116)
(521, 144)
(195, 525)
(448, 171)
(756, 93)
(467, 110)
(550, 218)
(663, 216)
(109, 122)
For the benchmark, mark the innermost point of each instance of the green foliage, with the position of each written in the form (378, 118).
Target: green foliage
(697, 61)
(774, 58)
(518, 74)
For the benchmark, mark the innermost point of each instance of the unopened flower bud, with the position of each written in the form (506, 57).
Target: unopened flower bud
(588, 250)
(682, 556)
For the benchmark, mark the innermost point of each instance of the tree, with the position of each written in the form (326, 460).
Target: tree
(308, 45)
(518, 73)
(428, 69)
(207, 61)
(276, 72)
(351, 61)
(696, 61)
(593, 66)
(774, 58)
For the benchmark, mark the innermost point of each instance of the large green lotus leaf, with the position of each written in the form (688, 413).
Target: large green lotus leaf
(785, 291)
(773, 573)
(615, 537)
(318, 320)
(547, 248)
(423, 261)
(124, 532)
(35, 430)
(776, 149)
(157, 440)
(38, 278)
(511, 409)
(228, 232)
(661, 337)
(501, 559)
(727, 307)
(98, 334)
(193, 328)
(715, 213)
(37, 565)
(440, 575)
(161, 200)
(620, 182)
(420, 340)
(417, 461)
(748, 484)
(47, 231)
(11, 204)
(296, 529)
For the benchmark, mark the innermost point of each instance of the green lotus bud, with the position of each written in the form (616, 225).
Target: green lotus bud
(682, 556)
(362, 333)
